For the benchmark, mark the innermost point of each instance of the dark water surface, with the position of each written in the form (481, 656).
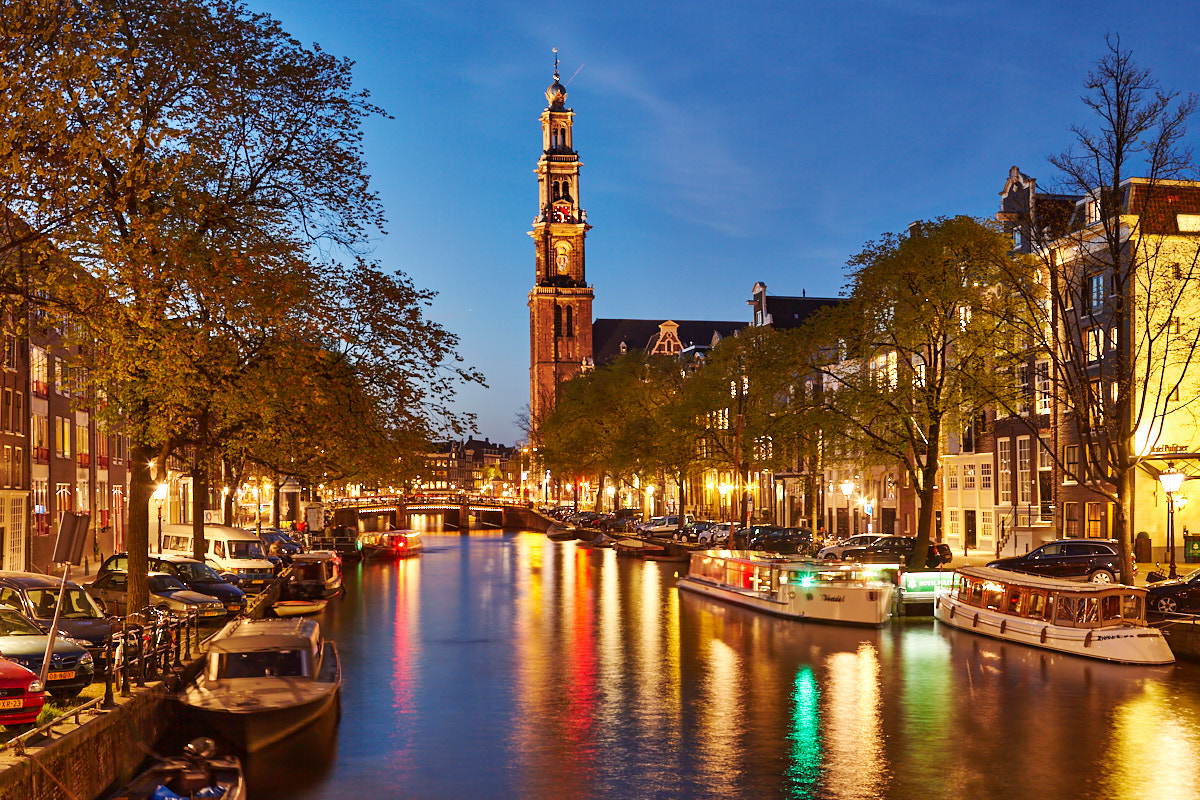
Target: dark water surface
(510, 666)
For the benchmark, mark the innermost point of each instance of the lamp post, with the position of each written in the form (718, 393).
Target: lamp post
(847, 487)
(160, 496)
(1171, 480)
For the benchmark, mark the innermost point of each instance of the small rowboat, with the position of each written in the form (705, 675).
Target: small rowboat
(200, 772)
(298, 608)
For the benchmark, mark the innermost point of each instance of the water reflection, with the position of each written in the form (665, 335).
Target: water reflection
(506, 666)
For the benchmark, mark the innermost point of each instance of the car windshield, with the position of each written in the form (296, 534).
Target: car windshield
(13, 624)
(165, 583)
(77, 604)
(195, 571)
(246, 550)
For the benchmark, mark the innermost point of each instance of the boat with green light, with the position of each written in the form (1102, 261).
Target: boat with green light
(796, 588)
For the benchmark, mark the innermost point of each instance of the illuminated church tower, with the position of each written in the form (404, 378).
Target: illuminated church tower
(560, 304)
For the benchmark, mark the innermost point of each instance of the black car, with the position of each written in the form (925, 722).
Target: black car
(36, 596)
(195, 575)
(897, 549)
(288, 546)
(1179, 595)
(785, 541)
(1095, 560)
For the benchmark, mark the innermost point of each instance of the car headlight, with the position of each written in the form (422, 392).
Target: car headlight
(35, 686)
(86, 659)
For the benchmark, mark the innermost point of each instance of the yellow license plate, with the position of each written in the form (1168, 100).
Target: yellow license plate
(211, 613)
(15, 703)
(61, 676)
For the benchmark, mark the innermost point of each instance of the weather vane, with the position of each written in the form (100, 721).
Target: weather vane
(556, 63)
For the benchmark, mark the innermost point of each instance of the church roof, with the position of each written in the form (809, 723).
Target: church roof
(609, 334)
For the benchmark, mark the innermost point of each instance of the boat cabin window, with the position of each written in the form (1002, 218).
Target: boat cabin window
(993, 597)
(1012, 600)
(1066, 611)
(1131, 607)
(1035, 606)
(311, 571)
(260, 664)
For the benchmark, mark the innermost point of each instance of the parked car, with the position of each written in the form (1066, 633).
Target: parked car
(717, 533)
(756, 534)
(21, 697)
(165, 592)
(897, 549)
(1181, 595)
(785, 541)
(288, 546)
(664, 526)
(71, 665)
(36, 596)
(1096, 560)
(691, 533)
(195, 575)
(835, 550)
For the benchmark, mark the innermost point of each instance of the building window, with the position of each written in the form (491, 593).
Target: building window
(1072, 525)
(1024, 472)
(1041, 372)
(985, 524)
(985, 475)
(19, 467)
(1023, 389)
(952, 476)
(1097, 292)
(1112, 338)
(1004, 469)
(954, 523)
(1095, 520)
(83, 446)
(1095, 344)
(968, 476)
(39, 375)
(1071, 463)
(62, 437)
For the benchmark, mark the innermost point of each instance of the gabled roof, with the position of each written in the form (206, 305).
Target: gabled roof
(791, 312)
(609, 334)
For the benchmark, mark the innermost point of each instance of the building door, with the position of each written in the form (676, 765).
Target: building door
(843, 523)
(969, 526)
(887, 521)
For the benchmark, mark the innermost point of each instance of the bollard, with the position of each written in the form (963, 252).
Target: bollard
(177, 628)
(125, 663)
(187, 632)
(141, 655)
(108, 673)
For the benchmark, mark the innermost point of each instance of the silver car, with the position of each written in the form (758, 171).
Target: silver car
(166, 591)
(834, 551)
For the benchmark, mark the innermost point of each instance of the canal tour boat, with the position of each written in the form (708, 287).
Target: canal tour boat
(265, 679)
(796, 588)
(1095, 620)
(390, 544)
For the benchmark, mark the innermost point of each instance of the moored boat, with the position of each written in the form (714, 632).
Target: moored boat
(1095, 620)
(390, 544)
(314, 575)
(298, 608)
(199, 772)
(796, 588)
(265, 679)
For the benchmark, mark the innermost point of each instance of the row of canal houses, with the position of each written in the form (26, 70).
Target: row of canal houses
(1009, 481)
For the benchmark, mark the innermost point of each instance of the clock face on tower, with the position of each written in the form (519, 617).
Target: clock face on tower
(562, 214)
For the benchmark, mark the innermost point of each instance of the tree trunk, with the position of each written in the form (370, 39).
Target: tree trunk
(137, 594)
(199, 502)
(929, 472)
(1122, 520)
(276, 484)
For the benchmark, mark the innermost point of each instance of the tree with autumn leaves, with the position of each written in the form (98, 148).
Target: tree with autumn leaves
(185, 183)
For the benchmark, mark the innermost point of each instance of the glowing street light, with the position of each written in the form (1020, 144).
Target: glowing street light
(1172, 481)
(847, 487)
(160, 497)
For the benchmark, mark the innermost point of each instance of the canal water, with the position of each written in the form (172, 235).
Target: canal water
(508, 666)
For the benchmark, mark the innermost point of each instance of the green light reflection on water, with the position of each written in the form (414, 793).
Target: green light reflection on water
(804, 770)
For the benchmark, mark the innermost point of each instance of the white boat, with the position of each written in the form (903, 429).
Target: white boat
(314, 575)
(390, 544)
(1096, 620)
(265, 679)
(796, 588)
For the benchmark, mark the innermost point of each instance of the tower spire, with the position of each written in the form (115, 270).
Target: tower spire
(556, 64)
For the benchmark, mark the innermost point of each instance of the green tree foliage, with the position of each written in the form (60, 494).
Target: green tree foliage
(206, 224)
(918, 350)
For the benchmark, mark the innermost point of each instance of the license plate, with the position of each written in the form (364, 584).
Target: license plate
(211, 613)
(257, 581)
(60, 676)
(14, 703)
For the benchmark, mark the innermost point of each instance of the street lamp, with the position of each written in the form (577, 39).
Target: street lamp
(847, 487)
(160, 496)
(612, 492)
(1171, 480)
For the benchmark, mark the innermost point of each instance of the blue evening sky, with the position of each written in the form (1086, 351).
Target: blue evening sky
(723, 142)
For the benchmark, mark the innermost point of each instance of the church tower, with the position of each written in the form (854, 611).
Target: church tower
(560, 304)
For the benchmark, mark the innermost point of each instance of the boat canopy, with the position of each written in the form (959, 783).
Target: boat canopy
(1041, 582)
(1061, 602)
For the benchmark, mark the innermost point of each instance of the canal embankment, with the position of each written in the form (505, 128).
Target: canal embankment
(83, 754)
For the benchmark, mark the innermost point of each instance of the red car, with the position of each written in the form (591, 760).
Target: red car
(21, 697)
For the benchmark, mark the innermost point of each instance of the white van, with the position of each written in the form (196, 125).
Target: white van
(227, 550)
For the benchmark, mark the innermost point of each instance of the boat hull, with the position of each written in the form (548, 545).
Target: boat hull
(296, 608)
(1119, 644)
(865, 605)
(267, 711)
